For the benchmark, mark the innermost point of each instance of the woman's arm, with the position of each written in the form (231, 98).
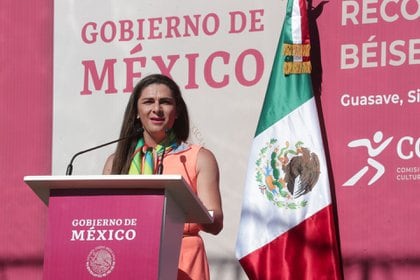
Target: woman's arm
(108, 165)
(208, 189)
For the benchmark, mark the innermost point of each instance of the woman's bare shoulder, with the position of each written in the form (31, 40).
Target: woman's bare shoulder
(108, 165)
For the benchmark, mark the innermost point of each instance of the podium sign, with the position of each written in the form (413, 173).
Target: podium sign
(115, 227)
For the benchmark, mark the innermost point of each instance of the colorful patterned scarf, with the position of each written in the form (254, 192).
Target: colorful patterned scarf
(146, 159)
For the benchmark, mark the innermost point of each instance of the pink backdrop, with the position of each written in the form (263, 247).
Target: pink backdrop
(378, 227)
(25, 125)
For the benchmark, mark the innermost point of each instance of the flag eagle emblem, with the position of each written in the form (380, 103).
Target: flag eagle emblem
(285, 172)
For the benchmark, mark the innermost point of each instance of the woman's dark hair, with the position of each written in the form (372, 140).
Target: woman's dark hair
(131, 123)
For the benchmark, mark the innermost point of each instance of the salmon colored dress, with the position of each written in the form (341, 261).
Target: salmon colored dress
(193, 263)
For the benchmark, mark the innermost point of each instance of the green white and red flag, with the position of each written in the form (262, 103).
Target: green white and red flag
(287, 228)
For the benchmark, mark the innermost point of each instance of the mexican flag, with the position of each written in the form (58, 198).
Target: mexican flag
(287, 227)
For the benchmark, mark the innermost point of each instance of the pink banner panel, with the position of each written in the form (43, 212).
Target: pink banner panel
(370, 55)
(115, 236)
(26, 132)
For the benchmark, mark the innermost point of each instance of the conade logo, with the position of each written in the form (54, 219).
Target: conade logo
(406, 148)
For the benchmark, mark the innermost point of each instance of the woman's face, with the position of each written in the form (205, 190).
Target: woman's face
(156, 109)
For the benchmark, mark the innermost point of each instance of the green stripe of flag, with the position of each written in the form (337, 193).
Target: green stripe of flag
(284, 92)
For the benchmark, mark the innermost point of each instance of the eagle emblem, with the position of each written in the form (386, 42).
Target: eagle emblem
(100, 261)
(285, 173)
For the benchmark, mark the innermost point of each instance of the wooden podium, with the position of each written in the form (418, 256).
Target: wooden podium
(115, 226)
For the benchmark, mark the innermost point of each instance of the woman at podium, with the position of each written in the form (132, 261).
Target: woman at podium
(158, 112)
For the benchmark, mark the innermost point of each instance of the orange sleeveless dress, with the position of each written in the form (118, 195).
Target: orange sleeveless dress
(193, 263)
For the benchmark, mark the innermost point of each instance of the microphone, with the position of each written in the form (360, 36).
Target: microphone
(138, 131)
(160, 166)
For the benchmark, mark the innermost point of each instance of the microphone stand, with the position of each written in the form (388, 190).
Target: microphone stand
(69, 170)
(160, 166)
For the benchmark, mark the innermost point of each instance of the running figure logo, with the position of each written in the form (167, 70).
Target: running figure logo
(372, 152)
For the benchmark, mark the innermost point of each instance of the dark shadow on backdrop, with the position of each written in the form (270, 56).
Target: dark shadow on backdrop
(11, 263)
(365, 266)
